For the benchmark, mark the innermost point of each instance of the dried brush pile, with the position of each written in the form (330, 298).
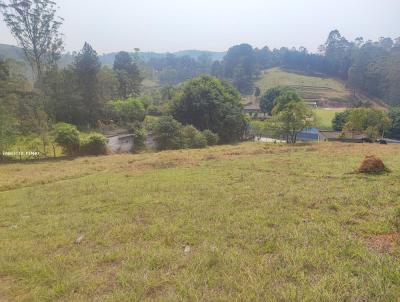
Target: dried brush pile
(372, 164)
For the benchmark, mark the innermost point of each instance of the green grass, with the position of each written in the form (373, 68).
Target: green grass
(325, 117)
(263, 222)
(308, 87)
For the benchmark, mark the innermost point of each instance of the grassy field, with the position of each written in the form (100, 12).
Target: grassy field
(325, 117)
(311, 88)
(250, 222)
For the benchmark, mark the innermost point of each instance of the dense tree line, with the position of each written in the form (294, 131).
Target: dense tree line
(84, 93)
(373, 122)
(372, 67)
(79, 92)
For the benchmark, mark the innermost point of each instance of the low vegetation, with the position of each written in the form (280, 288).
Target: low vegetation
(251, 221)
(170, 134)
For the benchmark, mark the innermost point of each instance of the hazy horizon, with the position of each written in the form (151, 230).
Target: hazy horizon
(169, 26)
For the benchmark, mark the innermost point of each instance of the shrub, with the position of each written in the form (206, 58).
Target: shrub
(340, 120)
(95, 144)
(167, 134)
(139, 138)
(199, 141)
(67, 136)
(193, 138)
(211, 137)
(126, 111)
(8, 133)
(189, 133)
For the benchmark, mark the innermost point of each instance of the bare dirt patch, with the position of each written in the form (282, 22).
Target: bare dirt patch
(383, 243)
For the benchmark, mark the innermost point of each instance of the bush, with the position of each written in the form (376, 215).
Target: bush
(95, 144)
(167, 134)
(340, 120)
(199, 141)
(126, 111)
(211, 137)
(139, 138)
(67, 136)
(193, 138)
(189, 133)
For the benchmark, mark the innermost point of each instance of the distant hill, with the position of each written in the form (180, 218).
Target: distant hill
(108, 59)
(197, 53)
(13, 52)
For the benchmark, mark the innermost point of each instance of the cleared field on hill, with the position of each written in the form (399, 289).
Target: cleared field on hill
(325, 117)
(245, 222)
(310, 88)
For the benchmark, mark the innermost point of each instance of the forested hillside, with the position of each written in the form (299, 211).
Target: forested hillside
(370, 68)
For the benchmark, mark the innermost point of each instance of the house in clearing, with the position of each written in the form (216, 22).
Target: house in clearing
(120, 141)
(251, 108)
(347, 137)
(314, 134)
(309, 134)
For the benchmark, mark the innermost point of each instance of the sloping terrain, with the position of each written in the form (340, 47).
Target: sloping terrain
(14, 52)
(231, 223)
(325, 117)
(11, 52)
(327, 92)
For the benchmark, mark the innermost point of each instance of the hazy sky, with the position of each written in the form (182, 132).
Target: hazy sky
(170, 25)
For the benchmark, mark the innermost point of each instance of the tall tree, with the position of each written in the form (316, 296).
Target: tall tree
(240, 66)
(267, 101)
(371, 121)
(86, 68)
(208, 103)
(128, 75)
(291, 115)
(8, 124)
(337, 51)
(35, 26)
(108, 83)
